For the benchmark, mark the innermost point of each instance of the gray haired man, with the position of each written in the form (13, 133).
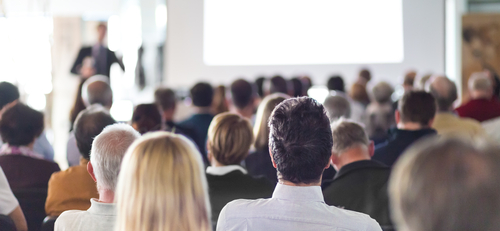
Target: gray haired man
(360, 183)
(108, 149)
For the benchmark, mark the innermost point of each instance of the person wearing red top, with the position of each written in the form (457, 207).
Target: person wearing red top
(482, 106)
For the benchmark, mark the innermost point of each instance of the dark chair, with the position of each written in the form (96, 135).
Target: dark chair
(48, 223)
(388, 228)
(32, 202)
(6, 224)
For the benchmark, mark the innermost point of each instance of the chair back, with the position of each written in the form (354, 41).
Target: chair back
(6, 224)
(32, 202)
(48, 223)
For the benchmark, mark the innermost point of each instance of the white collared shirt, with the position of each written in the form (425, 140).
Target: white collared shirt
(223, 170)
(292, 208)
(99, 217)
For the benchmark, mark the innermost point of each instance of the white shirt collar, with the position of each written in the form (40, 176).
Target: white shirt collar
(100, 208)
(223, 170)
(298, 193)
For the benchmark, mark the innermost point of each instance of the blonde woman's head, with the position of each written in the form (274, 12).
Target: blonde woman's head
(261, 130)
(229, 138)
(162, 186)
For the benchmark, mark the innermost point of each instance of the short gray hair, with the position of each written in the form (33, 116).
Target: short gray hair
(347, 134)
(107, 153)
(479, 81)
(337, 107)
(382, 92)
(446, 184)
(96, 90)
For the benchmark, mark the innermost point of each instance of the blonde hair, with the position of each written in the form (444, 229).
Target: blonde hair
(261, 129)
(162, 186)
(229, 138)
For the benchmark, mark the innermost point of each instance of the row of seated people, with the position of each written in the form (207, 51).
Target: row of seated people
(158, 182)
(418, 126)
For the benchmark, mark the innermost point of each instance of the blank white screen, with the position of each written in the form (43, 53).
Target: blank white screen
(295, 32)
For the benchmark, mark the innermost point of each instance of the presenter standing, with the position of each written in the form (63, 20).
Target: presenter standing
(96, 59)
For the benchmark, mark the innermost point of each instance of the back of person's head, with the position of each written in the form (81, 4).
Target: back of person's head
(300, 140)
(278, 84)
(219, 102)
(261, 128)
(358, 93)
(417, 107)
(242, 93)
(336, 83)
(8, 93)
(480, 82)
(259, 83)
(382, 92)
(346, 135)
(298, 89)
(162, 186)
(409, 79)
(96, 90)
(88, 124)
(337, 107)
(146, 118)
(378, 118)
(365, 75)
(229, 138)
(202, 94)
(423, 82)
(444, 91)
(108, 149)
(165, 99)
(446, 184)
(20, 125)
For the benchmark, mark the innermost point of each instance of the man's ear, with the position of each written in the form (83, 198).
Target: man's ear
(397, 116)
(209, 154)
(272, 158)
(431, 122)
(334, 160)
(371, 149)
(90, 169)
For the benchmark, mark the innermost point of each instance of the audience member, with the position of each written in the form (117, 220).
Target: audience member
(243, 96)
(297, 86)
(482, 106)
(259, 162)
(379, 118)
(423, 82)
(78, 105)
(9, 206)
(337, 107)
(301, 143)
(414, 118)
(277, 84)
(409, 80)
(23, 167)
(358, 93)
(364, 77)
(219, 102)
(201, 95)
(382, 93)
(259, 83)
(446, 184)
(108, 149)
(229, 140)
(445, 121)
(73, 188)
(162, 186)
(146, 118)
(9, 96)
(336, 83)
(360, 183)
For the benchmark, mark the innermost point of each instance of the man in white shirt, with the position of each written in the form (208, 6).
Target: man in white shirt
(9, 205)
(108, 149)
(300, 143)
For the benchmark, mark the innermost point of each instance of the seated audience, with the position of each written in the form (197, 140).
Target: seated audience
(243, 97)
(414, 118)
(219, 102)
(277, 84)
(146, 118)
(360, 183)
(259, 83)
(482, 106)
(337, 107)
(201, 95)
(409, 80)
(258, 163)
(9, 206)
(23, 167)
(229, 140)
(358, 94)
(379, 115)
(9, 96)
(108, 149)
(364, 77)
(446, 184)
(73, 188)
(95, 90)
(162, 186)
(297, 86)
(445, 121)
(336, 83)
(382, 93)
(301, 144)
(424, 82)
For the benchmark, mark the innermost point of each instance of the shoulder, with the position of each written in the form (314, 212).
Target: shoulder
(68, 220)
(69, 174)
